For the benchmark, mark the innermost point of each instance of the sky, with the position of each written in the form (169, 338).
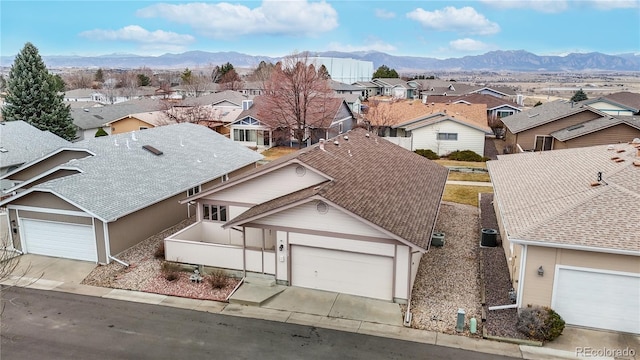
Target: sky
(438, 29)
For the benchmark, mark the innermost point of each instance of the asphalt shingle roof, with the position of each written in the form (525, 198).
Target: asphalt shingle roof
(543, 114)
(123, 177)
(374, 179)
(626, 98)
(589, 127)
(548, 196)
(24, 143)
(92, 117)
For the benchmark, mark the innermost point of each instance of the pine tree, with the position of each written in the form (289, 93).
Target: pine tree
(579, 96)
(32, 96)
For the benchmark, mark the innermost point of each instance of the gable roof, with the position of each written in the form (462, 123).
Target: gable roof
(548, 199)
(492, 102)
(405, 110)
(321, 119)
(544, 114)
(502, 90)
(339, 86)
(371, 178)
(440, 117)
(123, 177)
(390, 82)
(626, 98)
(91, 117)
(234, 97)
(23, 143)
(592, 126)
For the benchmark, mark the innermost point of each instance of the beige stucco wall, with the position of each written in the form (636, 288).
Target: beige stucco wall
(133, 228)
(44, 165)
(538, 289)
(613, 135)
(44, 200)
(127, 125)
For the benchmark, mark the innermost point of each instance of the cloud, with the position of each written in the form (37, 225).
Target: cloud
(464, 20)
(135, 33)
(224, 20)
(614, 4)
(384, 14)
(468, 45)
(370, 44)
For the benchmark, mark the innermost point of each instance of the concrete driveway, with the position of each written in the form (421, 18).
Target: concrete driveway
(46, 273)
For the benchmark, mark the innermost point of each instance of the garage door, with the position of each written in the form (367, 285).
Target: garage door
(600, 300)
(341, 271)
(71, 241)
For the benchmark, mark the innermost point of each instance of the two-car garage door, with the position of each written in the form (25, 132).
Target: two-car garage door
(604, 300)
(340, 271)
(66, 240)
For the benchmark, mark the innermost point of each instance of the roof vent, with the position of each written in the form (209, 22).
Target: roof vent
(367, 135)
(336, 143)
(152, 150)
(3, 150)
(346, 137)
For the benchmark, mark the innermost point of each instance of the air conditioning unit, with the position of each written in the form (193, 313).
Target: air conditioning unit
(437, 239)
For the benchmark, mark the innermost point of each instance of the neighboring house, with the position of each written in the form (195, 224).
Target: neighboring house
(563, 124)
(395, 88)
(440, 127)
(502, 92)
(21, 143)
(497, 108)
(139, 121)
(91, 118)
(353, 101)
(254, 88)
(569, 226)
(256, 130)
(369, 89)
(352, 214)
(86, 95)
(342, 88)
(618, 104)
(93, 199)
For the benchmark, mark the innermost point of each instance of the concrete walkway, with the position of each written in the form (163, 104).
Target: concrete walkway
(316, 308)
(469, 183)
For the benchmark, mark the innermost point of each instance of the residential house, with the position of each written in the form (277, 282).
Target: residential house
(342, 88)
(369, 89)
(618, 104)
(395, 88)
(569, 226)
(222, 108)
(22, 143)
(563, 124)
(257, 129)
(440, 127)
(497, 108)
(352, 214)
(140, 121)
(254, 88)
(93, 199)
(89, 119)
(503, 92)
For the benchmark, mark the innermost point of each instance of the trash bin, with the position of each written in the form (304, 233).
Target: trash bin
(489, 238)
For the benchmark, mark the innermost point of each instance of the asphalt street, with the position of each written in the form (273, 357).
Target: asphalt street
(40, 324)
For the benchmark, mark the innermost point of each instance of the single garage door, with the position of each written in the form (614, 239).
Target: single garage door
(65, 240)
(595, 299)
(341, 271)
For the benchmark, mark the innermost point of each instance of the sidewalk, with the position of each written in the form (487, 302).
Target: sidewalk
(46, 273)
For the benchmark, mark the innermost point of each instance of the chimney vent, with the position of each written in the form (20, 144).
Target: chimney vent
(321, 144)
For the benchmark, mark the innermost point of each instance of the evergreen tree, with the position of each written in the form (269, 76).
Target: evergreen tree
(58, 83)
(143, 80)
(99, 76)
(32, 96)
(384, 72)
(579, 96)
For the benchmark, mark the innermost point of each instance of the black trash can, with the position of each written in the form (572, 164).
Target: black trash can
(489, 238)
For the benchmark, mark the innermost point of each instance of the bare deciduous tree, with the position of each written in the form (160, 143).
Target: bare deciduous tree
(295, 95)
(380, 114)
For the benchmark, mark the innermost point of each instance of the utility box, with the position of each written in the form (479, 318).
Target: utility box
(489, 238)
(437, 239)
(460, 321)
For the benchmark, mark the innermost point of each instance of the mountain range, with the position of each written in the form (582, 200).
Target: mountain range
(512, 60)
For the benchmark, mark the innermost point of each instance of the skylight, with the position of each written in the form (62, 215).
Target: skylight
(152, 150)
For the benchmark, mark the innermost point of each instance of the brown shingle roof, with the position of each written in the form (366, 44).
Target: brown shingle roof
(374, 179)
(403, 111)
(626, 98)
(547, 197)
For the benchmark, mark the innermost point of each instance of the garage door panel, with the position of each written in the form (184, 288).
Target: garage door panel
(344, 272)
(66, 240)
(600, 300)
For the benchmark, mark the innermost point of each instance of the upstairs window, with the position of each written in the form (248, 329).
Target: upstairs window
(543, 143)
(193, 191)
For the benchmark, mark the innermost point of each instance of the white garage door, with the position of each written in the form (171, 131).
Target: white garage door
(344, 272)
(600, 300)
(71, 241)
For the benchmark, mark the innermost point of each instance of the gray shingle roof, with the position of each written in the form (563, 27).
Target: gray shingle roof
(24, 143)
(234, 97)
(543, 114)
(123, 177)
(94, 117)
(547, 197)
(589, 127)
(626, 98)
(374, 179)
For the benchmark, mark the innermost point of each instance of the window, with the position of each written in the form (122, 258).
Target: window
(448, 136)
(543, 143)
(193, 191)
(340, 128)
(214, 212)
(502, 114)
(245, 135)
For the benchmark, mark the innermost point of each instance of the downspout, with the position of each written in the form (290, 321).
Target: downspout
(107, 248)
(244, 254)
(119, 261)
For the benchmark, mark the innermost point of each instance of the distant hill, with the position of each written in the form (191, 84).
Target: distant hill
(513, 60)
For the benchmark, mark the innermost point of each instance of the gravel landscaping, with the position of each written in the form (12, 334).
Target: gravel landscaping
(448, 277)
(144, 272)
(500, 323)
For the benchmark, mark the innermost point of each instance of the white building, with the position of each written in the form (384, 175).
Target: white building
(345, 70)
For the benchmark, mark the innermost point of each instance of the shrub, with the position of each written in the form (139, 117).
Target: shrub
(466, 155)
(170, 271)
(217, 279)
(429, 154)
(159, 253)
(540, 323)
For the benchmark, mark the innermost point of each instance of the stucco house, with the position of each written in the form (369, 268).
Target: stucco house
(563, 124)
(92, 199)
(569, 224)
(620, 103)
(352, 214)
(22, 143)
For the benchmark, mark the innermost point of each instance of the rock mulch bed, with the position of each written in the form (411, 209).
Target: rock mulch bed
(448, 277)
(145, 274)
(497, 282)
